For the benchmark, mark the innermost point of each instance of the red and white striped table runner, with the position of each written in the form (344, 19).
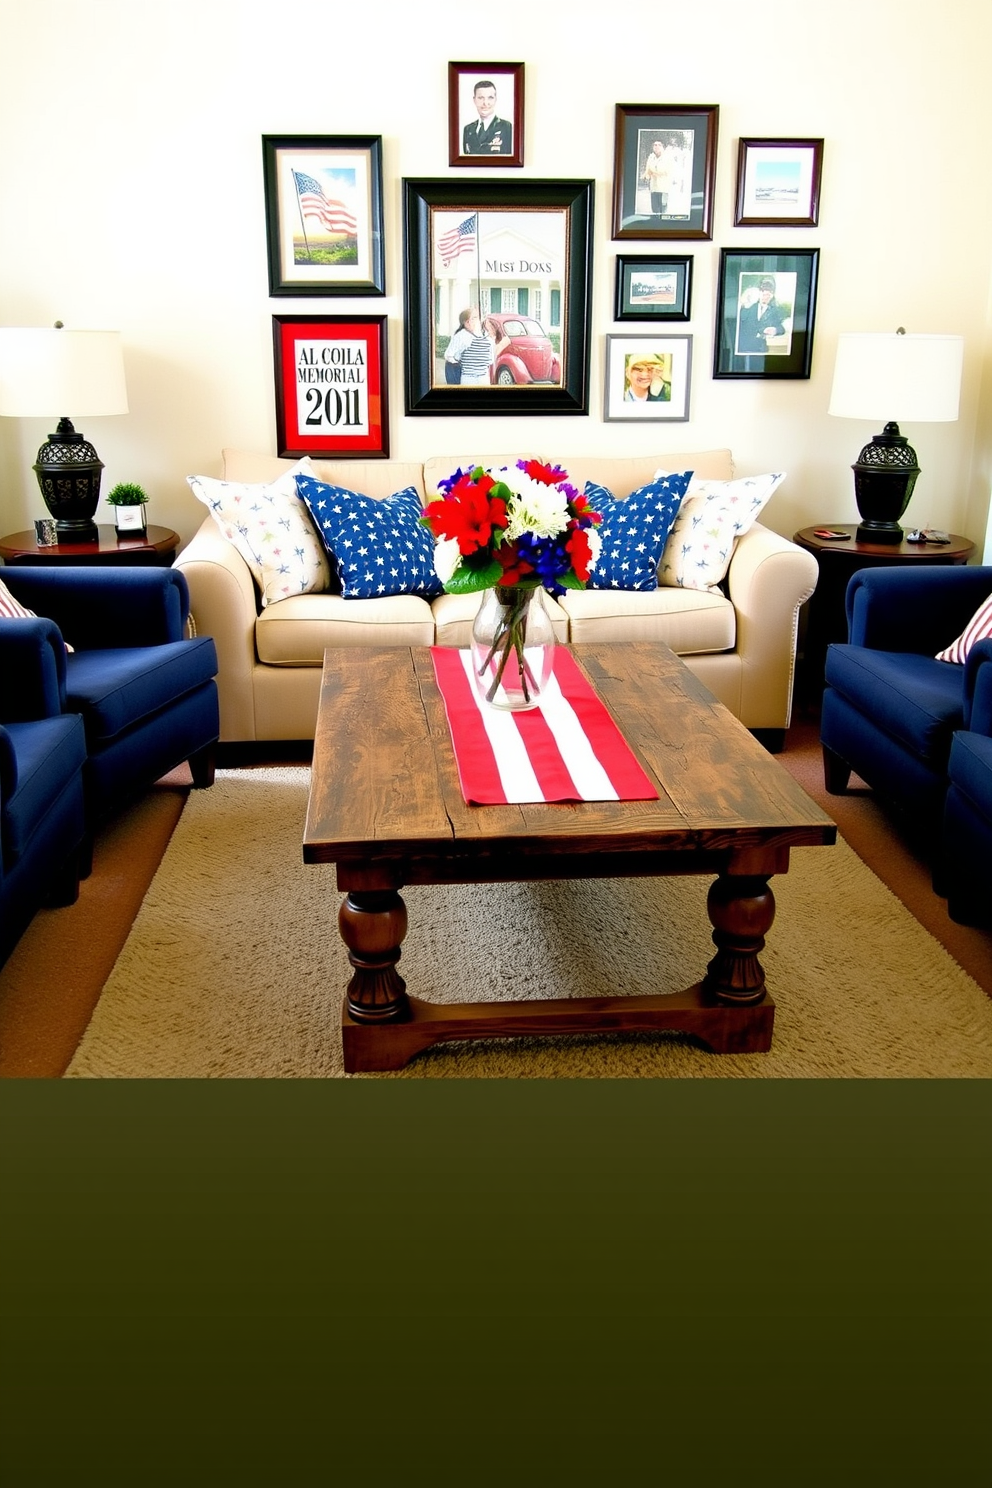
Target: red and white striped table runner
(568, 748)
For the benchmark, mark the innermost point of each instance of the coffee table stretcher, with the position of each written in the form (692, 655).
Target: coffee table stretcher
(363, 754)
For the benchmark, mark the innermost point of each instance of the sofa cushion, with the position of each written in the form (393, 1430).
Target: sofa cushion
(296, 632)
(712, 517)
(979, 628)
(377, 478)
(114, 689)
(915, 699)
(623, 474)
(379, 547)
(690, 621)
(271, 528)
(634, 531)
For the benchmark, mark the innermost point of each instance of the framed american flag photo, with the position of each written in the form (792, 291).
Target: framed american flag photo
(323, 211)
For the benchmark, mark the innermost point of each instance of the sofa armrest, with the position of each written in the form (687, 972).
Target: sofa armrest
(106, 608)
(768, 581)
(224, 605)
(32, 665)
(913, 609)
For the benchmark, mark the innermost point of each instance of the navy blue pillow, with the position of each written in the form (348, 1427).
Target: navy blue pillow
(378, 547)
(634, 531)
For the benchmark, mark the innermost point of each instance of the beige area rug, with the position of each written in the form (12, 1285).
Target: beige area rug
(234, 966)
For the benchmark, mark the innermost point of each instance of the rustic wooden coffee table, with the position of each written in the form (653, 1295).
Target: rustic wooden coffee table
(385, 806)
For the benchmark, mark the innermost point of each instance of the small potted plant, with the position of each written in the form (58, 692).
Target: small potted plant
(128, 501)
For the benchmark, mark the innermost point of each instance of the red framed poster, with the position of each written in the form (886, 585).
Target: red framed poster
(331, 385)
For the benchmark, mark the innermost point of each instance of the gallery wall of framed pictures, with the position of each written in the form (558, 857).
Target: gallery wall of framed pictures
(498, 273)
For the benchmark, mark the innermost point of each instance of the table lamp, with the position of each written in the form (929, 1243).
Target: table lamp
(918, 378)
(75, 374)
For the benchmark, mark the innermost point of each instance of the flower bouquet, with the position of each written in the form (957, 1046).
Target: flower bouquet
(514, 532)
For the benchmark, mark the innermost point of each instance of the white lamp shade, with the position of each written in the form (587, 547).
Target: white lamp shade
(897, 378)
(58, 373)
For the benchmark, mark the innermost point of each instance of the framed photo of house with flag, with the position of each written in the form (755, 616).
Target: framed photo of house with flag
(323, 211)
(497, 285)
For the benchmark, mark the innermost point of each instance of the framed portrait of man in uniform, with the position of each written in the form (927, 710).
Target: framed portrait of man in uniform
(485, 113)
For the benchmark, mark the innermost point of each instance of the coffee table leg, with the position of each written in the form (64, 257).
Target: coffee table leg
(741, 909)
(373, 924)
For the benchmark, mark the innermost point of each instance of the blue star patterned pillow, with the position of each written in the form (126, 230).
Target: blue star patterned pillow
(379, 548)
(634, 532)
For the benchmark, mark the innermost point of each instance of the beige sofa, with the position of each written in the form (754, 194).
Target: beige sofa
(741, 643)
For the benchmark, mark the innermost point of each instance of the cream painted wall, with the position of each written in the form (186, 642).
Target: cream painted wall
(131, 196)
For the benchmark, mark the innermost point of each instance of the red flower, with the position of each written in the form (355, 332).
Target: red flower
(579, 550)
(515, 567)
(468, 513)
(545, 474)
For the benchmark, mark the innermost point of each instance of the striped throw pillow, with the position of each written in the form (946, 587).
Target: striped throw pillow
(11, 608)
(977, 629)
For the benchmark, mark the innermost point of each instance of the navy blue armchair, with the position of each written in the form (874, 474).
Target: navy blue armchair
(964, 870)
(890, 709)
(145, 692)
(42, 820)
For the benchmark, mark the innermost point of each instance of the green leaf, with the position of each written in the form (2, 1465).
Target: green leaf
(467, 580)
(570, 581)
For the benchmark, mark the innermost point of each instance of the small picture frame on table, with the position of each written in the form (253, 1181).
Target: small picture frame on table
(331, 386)
(766, 304)
(647, 379)
(653, 288)
(323, 214)
(664, 170)
(778, 182)
(130, 518)
(485, 113)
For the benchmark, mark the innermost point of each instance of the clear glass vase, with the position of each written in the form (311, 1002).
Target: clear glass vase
(513, 644)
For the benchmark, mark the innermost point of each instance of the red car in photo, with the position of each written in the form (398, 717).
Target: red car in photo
(530, 357)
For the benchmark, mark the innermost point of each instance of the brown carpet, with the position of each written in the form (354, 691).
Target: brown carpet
(52, 981)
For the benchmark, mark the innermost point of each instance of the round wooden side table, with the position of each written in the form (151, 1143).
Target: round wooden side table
(837, 560)
(156, 546)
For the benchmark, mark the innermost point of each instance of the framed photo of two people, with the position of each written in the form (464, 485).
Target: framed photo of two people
(485, 113)
(497, 281)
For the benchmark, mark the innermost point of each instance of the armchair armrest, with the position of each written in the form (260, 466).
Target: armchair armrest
(32, 665)
(768, 581)
(978, 688)
(101, 608)
(913, 609)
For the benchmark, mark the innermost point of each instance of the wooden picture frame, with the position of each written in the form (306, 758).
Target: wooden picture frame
(647, 379)
(653, 287)
(774, 339)
(778, 182)
(331, 386)
(323, 214)
(673, 198)
(519, 254)
(485, 113)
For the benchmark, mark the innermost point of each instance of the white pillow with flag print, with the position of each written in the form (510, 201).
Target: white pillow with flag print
(713, 515)
(272, 529)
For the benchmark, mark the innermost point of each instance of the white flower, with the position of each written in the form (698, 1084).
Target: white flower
(536, 508)
(595, 545)
(446, 558)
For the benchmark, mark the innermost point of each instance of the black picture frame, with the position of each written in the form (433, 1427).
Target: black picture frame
(493, 258)
(331, 386)
(778, 182)
(316, 187)
(685, 210)
(496, 148)
(653, 287)
(788, 334)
